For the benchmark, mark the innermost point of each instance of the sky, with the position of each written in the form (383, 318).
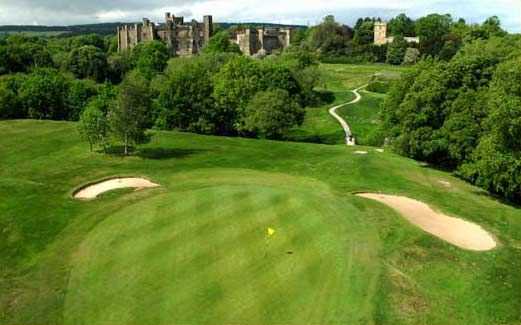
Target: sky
(302, 12)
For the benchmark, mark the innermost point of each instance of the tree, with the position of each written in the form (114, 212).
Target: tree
(492, 27)
(234, 85)
(329, 37)
(80, 93)
(396, 50)
(88, 62)
(185, 94)
(11, 106)
(88, 40)
(412, 55)
(129, 117)
(402, 25)
(93, 125)
(432, 31)
(23, 54)
(150, 58)
(220, 43)
(271, 113)
(364, 35)
(118, 65)
(43, 94)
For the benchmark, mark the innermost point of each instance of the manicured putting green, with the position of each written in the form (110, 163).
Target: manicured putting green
(203, 256)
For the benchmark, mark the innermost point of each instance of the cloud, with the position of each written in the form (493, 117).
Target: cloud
(63, 12)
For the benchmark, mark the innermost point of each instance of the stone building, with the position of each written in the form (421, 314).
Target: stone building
(253, 41)
(182, 39)
(380, 35)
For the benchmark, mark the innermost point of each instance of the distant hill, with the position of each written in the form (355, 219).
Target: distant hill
(102, 29)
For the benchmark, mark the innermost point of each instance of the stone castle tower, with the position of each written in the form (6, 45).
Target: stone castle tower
(380, 33)
(182, 39)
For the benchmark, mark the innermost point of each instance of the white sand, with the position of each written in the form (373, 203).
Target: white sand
(380, 150)
(456, 231)
(444, 183)
(92, 191)
(360, 152)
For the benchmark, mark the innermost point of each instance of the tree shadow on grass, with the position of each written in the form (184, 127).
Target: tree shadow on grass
(496, 197)
(322, 97)
(166, 153)
(152, 153)
(118, 151)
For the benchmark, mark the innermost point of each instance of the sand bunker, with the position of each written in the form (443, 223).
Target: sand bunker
(92, 191)
(458, 232)
(360, 152)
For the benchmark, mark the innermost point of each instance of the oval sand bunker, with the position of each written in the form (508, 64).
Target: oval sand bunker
(458, 232)
(92, 191)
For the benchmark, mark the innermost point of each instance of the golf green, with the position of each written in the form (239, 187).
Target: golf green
(207, 247)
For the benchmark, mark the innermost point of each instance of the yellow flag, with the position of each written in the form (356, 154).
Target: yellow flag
(271, 232)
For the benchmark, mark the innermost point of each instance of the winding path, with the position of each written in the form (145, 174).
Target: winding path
(350, 139)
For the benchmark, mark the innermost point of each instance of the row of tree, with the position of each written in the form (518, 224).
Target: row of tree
(440, 37)
(222, 94)
(85, 57)
(464, 114)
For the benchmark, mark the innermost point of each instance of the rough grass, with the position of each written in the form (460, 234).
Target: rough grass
(194, 251)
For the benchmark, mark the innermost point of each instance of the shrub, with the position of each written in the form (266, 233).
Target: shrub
(412, 55)
(381, 87)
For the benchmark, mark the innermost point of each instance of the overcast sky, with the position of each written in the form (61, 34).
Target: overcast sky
(67, 12)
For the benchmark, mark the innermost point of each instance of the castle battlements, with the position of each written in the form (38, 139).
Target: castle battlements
(181, 39)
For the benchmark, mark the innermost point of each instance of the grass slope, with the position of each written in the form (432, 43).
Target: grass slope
(319, 126)
(363, 117)
(340, 79)
(194, 251)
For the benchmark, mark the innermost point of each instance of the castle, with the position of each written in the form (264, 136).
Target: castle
(380, 35)
(182, 39)
(265, 41)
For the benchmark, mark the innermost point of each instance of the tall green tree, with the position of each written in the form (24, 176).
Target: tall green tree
(150, 58)
(93, 125)
(220, 43)
(79, 95)
(185, 94)
(271, 113)
(496, 163)
(129, 117)
(396, 50)
(402, 25)
(23, 54)
(88, 62)
(234, 85)
(44, 94)
(364, 35)
(432, 31)
(11, 105)
(329, 37)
